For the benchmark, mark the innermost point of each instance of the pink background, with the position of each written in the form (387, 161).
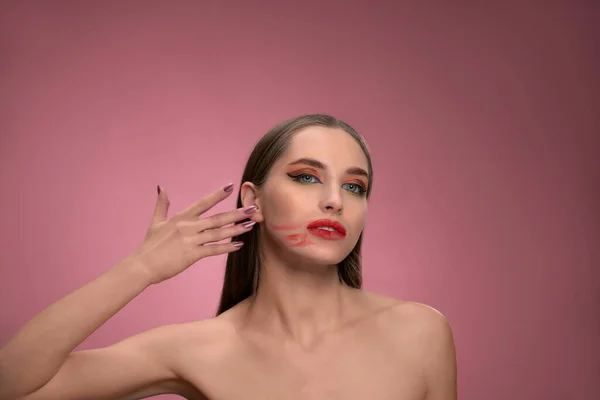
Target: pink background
(483, 123)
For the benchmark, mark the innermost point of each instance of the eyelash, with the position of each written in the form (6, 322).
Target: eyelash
(298, 178)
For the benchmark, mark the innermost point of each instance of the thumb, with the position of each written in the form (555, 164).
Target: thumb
(162, 206)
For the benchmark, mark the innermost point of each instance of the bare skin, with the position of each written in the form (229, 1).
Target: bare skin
(381, 351)
(304, 336)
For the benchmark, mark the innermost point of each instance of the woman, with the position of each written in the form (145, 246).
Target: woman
(293, 322)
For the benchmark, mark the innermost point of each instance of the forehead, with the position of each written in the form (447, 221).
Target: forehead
(332, 146)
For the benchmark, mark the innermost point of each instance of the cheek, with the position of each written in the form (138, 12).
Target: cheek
(287, 204)
(280, 209)
(284, 217)
(356, 216)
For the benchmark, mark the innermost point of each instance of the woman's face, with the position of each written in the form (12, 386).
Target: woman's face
(313, 202)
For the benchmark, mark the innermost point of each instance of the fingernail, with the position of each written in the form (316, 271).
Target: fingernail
(249, 210)
(158, 188)
(238, 244)
(228, 188)
(248, 224)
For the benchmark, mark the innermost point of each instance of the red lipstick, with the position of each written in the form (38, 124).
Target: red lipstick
(327, 229)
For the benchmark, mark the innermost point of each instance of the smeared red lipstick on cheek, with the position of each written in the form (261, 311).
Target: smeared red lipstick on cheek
(294, 239)
(299, 239)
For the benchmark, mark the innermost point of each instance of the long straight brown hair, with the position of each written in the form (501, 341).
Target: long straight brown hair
(242, 271)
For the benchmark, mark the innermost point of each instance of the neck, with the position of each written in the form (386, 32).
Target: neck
(297, 302)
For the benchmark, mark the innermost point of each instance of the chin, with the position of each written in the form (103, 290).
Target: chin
(321, 254)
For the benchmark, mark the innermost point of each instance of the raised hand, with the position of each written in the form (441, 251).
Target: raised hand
(173, 245)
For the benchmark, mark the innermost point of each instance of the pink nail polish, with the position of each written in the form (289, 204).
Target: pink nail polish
(250, 209)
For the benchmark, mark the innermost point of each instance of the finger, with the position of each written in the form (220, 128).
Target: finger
(162, 206)
(208, 202)
(224, 218)
(216, 249)
(218, 234)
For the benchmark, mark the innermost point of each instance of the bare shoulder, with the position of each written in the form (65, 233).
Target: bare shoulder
(181, 346)
(422, 335)
(420, 324)
(179, 338)
(421, 316)
(408, 314)
(207, 335)
(192, 350)
(209, 342)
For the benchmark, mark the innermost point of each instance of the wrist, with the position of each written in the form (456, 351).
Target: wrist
(133, 270)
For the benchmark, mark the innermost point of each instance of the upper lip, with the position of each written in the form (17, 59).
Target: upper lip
(327, 222)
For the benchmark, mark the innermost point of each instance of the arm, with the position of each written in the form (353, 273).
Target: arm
(36, 353)
(135, 368)
(37, 362)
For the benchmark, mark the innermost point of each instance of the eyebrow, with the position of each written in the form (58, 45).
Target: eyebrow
(318, 164)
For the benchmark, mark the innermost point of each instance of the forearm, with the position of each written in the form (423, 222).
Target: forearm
(41, 346)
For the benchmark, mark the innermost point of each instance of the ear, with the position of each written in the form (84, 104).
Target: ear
(250, 196)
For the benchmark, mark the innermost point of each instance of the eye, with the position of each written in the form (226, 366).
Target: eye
(354, 188)
(305, 178)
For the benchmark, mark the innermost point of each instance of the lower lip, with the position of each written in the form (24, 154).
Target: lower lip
(326, 234)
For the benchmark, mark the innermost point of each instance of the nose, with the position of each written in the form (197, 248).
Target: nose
(331, 201)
